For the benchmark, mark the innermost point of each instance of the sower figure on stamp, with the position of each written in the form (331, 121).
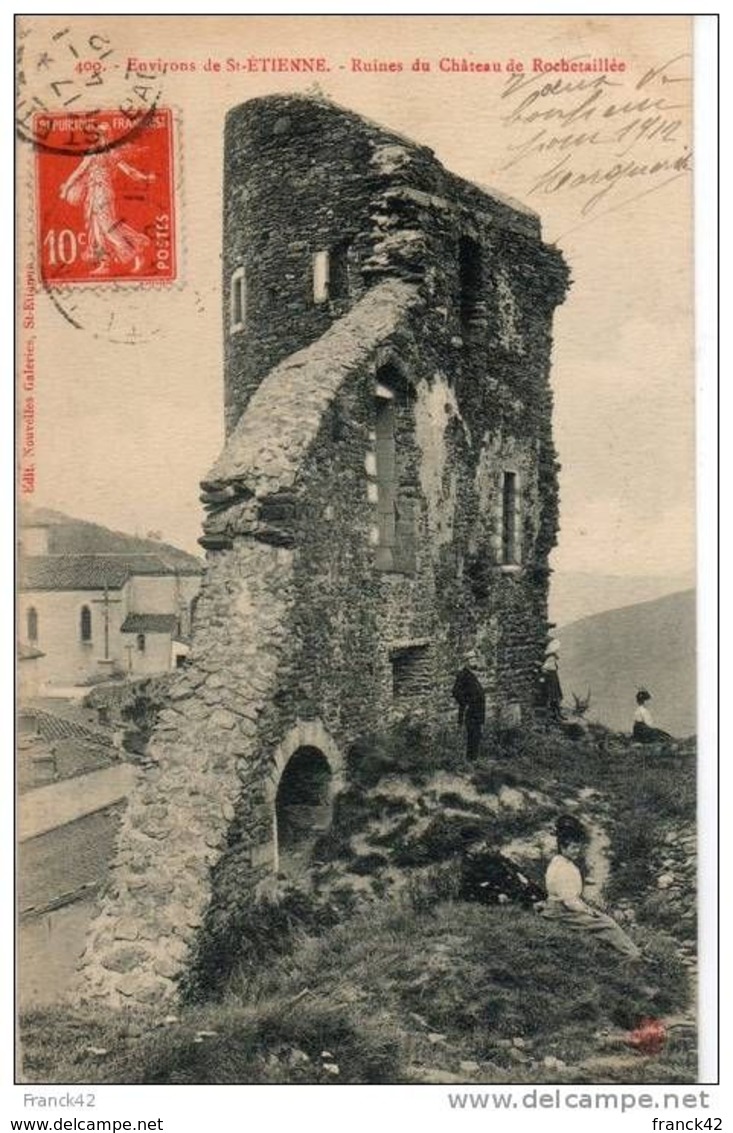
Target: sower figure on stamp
(468, 692)
(108, 236)
(564, 885)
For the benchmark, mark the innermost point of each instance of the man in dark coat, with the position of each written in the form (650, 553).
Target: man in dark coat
(471, 698)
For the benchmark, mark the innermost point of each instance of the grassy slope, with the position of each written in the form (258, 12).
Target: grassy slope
(417, 986)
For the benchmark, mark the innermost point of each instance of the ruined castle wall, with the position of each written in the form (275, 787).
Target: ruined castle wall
(204, 754)
(302, 176)
(293, 186)
(304, 627)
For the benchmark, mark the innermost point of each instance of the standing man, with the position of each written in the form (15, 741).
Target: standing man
(471, 698)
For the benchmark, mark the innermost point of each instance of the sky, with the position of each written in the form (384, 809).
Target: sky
(125, 432)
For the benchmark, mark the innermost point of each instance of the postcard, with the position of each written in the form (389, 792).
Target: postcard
(357, 598)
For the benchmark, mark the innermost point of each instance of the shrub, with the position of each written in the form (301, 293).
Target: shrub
(432, 886)
(446, 836)
(367, 863)
(412, 748)
(249, 936)
(489, 780)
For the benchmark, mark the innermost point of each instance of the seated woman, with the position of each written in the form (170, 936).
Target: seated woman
(564, 885)
(644, 731)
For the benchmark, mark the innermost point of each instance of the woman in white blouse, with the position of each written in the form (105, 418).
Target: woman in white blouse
(644, 731)
(564, 885)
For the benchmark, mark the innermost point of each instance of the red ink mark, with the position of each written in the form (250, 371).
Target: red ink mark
(106, 212)
(648, 1037)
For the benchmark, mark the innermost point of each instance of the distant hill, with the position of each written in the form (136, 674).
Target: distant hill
(613, 653)
(70, 536)
(576, 594)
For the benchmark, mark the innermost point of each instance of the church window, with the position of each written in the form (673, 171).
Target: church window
(141, 643)
(85, 624)
(32, 624)
(237, 301)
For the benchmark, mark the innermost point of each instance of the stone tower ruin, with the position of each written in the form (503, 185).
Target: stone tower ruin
(386, 498)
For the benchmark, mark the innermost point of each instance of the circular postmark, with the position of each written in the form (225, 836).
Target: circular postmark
(116, 313)
(69, 73)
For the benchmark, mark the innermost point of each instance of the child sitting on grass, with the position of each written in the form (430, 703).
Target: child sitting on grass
(564, 885)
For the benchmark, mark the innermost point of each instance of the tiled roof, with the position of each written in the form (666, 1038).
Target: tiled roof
(86, 572)
(53, 727)
(149, 623)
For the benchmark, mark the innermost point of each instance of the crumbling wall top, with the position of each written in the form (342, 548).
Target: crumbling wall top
(265, 450)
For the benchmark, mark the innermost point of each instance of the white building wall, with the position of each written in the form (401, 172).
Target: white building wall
(155, 658)
(68, 659)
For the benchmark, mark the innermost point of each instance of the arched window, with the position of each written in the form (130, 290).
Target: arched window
(85, 624)
(31, 619)
(141, 643)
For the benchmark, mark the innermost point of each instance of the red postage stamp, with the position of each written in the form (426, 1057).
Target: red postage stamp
(106, 212)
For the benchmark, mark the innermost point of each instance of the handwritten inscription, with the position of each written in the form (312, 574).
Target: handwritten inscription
(598, 133)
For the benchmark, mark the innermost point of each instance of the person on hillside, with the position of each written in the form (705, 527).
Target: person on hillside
(469, 693)
(564, 885)
(644, 731)
(550, 681)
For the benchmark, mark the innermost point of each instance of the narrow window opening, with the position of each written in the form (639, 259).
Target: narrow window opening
(386, 478)
(85, 624)
(470, 275)
(331, 273)
(141, 643)
(412, 671)
(237, 301)
(509, 517)
(394, 489)
(321, 275)
(32, 624)
(339, 272)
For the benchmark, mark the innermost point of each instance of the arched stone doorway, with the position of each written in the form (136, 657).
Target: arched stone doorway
(307, 774)
(302, 808)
